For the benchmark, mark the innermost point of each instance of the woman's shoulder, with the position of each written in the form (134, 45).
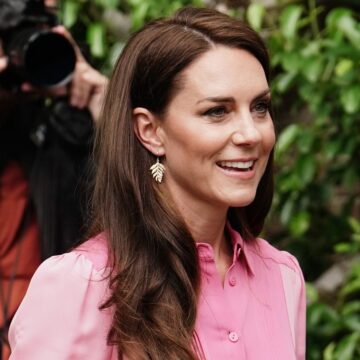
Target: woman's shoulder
(88, 261)
(264, 251)
(293, 285)
(65, 297)
(95, 250)
(260, 252)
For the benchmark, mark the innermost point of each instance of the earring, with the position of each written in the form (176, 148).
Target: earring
(157, 170)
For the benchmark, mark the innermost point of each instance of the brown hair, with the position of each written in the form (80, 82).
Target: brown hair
(155, 280)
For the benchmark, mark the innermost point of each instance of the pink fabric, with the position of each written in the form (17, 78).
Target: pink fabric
(258, 314)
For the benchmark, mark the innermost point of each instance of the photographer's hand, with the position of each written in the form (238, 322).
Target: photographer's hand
(3, 59)
(88, 88)
(3, 63)
(88, 85)
(7, 100)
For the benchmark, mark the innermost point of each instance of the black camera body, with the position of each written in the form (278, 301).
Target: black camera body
(36, 54)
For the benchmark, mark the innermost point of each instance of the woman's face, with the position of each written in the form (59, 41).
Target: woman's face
(217, 131)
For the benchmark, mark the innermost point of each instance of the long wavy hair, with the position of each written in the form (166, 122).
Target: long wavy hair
(155, 276)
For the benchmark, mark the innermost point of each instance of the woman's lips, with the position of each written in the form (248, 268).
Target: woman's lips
(244, 170)
(237, 165)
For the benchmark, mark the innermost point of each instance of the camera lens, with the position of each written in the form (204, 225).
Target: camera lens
(49, 59)
(42, 57)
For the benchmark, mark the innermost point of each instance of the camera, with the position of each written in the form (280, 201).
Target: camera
(36, 54)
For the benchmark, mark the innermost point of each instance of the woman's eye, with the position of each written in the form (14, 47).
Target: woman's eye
(262, 107)
(216, 112)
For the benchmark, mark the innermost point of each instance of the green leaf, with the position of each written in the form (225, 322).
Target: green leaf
(114, 53)
(320, 313)
(286, 211)
(139, 13)
(351, 287)
(355, 271)
(348, 25)
(305, 168)
(305, 140)
(332, 148)
(312, 295)
(341, 21)
(300, 223)
(354, 224)
(287, 138)
(70, 11)
(312, 48)
(352, 322)
(343, 247)
(290, 183)
(96, 39)
(108, 4)
(343, 67)
(289, 19)
(284, 81)
(329, 351)
(255, 15)
(346, 347)
(351, 307)
(313, 69)
(292, 62)
(350, 99)
(335, 16)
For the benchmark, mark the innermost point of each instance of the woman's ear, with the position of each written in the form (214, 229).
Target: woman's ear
(146, 126)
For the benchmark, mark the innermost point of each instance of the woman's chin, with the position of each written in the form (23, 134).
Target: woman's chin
(238, 203)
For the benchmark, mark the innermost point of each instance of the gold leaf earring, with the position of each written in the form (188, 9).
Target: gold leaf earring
(157, 170)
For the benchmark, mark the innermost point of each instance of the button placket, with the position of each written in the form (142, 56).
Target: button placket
(232, 280)
(233, 336)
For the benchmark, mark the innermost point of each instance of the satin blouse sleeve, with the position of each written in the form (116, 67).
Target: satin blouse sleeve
(59, 317)
(295, 294)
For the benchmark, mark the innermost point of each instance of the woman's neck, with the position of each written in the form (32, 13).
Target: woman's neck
(207, 225)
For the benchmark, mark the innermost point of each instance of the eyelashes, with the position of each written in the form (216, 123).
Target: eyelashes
(261, 107)
(217, 112)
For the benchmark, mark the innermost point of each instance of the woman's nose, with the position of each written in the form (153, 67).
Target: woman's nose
(246, 131)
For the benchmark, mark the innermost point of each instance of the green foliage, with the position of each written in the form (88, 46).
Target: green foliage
(97, 23)
(143, 11)
(316, 95)
(353, 246)
(87, 21)
(255, 16)
(316, 86)
(334, 332)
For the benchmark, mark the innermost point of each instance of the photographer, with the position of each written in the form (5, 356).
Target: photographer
(45, 145)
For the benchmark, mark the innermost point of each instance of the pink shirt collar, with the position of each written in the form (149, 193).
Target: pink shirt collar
(240, 250)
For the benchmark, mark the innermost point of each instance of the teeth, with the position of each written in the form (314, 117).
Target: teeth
(237, 164)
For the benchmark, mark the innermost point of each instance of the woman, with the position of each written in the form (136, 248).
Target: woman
(177, 271)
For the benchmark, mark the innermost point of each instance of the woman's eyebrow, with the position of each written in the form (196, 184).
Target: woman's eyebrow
(219, 99)
(262, 94)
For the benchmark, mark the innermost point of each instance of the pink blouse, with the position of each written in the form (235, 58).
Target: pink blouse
(258, 313)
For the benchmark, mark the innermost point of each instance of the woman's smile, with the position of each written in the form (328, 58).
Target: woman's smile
(239, 169)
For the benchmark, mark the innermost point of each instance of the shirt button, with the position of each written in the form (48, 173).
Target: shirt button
(232, 281)
(233, 336)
